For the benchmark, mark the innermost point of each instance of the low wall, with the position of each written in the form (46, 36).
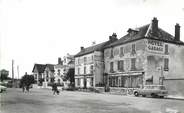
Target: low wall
(117, 90)
(175, 86)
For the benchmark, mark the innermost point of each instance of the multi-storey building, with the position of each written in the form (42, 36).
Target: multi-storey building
(62, 68)
(89, 65)
(146, 55)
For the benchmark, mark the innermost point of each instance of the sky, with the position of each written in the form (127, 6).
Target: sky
(40, 31)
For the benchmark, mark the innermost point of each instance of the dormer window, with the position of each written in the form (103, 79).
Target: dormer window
(132, 32)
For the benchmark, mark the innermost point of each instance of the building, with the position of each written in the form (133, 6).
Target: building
(49, 73)
(145, 55)
(43, 74)
(89, 65)
(59, 71)
(38, 72)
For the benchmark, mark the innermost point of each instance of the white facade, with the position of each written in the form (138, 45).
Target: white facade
(89, 69)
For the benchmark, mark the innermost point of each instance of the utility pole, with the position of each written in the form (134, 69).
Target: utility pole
(18, 71)
(13, 72)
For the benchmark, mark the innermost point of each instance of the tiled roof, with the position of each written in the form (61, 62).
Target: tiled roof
(40, 67)
(145, 32)
(90, 49)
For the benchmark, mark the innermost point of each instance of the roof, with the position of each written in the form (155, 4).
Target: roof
(98, 47)
(143, 33)
(39, 67)
(71, 62)
(50, 66)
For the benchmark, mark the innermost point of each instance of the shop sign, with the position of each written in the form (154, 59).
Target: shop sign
(156, 46)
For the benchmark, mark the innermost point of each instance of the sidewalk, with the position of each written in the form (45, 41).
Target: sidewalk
(175, 97)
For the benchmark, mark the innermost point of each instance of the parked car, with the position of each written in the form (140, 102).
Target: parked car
(152, 90)
(2, 88)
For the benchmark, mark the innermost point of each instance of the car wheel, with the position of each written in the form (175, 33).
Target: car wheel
(136, 94)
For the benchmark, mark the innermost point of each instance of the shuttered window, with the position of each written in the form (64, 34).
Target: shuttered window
(133, 61)
(121, 65)
(166, 64)
(121, 51)
(111, 67)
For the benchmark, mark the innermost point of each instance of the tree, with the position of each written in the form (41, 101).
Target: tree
(27, 80)
(4, 74)
(70, 76)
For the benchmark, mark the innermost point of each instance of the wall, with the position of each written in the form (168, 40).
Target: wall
(98, 67)
(176, 61)
(177, 86)
(155, 61)
(139, 55)
(79, 63)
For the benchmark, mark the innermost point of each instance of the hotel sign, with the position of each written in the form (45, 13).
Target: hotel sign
(155, 46)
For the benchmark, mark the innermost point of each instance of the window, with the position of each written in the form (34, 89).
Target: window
(78, 71)
(85, 60)
(78, 81)
(166, 64)
(84, 69)
(91, 82)
(133, 60)
(78, 61)
(121, 65)
(47, 75)
(121, 51)
(91, 69)
(92, 58)
(133, 49)
(166, 49)
(112, 53)
(36, 76)
(111, 67)
(58, 72)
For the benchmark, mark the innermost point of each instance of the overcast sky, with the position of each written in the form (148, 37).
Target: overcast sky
(40, 31)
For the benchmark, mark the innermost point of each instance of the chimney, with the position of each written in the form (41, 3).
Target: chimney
(82, 48)
(154, 26)
(113, 37)
(60, 61)
(177, 32)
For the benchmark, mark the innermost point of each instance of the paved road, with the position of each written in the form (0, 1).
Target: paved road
(43, 101)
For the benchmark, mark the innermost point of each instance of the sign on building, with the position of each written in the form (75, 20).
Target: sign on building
(155, 46)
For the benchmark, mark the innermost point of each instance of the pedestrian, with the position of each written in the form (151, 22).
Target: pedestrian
(55, 89)
(27, 88)
(23, 88)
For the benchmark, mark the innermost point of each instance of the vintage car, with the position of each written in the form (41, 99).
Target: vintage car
(152, 90)
(2, 88)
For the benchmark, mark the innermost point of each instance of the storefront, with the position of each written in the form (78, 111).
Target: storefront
(126, 81)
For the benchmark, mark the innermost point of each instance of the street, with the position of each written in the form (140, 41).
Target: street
(43, 101)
